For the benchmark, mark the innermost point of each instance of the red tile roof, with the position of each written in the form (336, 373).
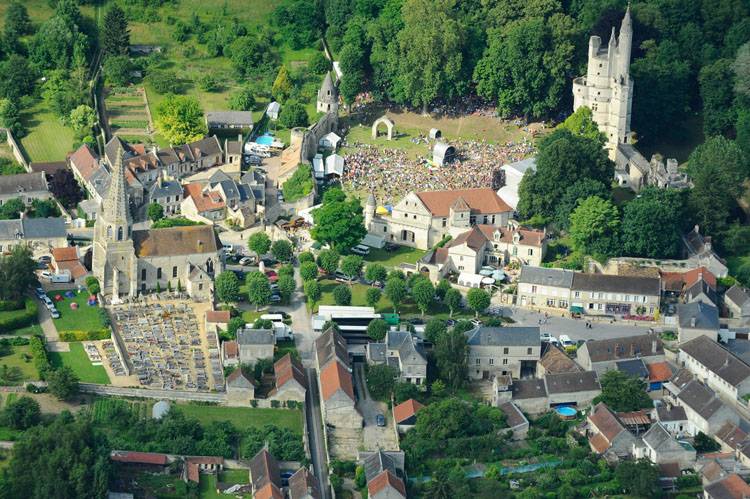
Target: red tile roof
(606, 422)
(219, 316)
(732, 486)
(139, 457)
(383, 480)
(405, 410)
(85, 160)
(204, 201)
(268, 491)
(231, 349)
(65, 254)
(334, 377)
(481, 201)
(599, 443)
(75, 268)
(658, 372)
(286, 369)
(692, 276)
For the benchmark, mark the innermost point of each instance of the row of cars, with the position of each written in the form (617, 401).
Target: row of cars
(42, 295)
(564, 341)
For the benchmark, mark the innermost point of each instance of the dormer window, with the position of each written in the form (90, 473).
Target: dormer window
(497, 237)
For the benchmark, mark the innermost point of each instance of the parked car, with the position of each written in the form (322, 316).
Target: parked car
(53, 277)
(341, 277)
(360, 249)
(390, 247)
(247, 260)
(545, 337)
(228, 249)
(54, 313)
(269, 262)
(380, 420)
(40, 293)
(272, 276)
(275, 298)
(254, 160)
(476, 322)
(566, 341)
(416, 321)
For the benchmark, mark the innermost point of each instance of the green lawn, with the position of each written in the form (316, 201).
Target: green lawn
(249, 316)
(32, 329)
(47, 138)
(162, 486)
(207, 488)
(21, 358)
(85, 318)
(394, 258)
(244, 417)
(79, 362)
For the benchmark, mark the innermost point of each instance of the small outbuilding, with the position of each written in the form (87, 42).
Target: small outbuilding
(218, 120)
(329, 141)
(435, 134)
(443, 153)
(160, 409)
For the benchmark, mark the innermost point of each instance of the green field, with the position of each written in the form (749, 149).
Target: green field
(79, 362)
(244, 417)
(20, 358)
(85, 318)
(403, 254)
(47, 138)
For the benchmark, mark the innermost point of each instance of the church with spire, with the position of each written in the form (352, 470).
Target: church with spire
(128, 262)
(607, 88)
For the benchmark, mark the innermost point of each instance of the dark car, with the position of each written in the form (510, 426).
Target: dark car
(269, 262)
(416, 321)
(380, 420)
(254, 160)
(390, 247)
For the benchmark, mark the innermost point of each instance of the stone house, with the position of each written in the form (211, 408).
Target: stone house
(517, 422)
(485, 245)
(36, 233)
(24, 186)
(730, 487)
(731, 437)
(704, 410)
(717, 367)
(607, 435)
(673, 418)
(230, 353)
(255, 344)
(699, 248)
(384, 472)
(223, 120)
(659, 446)
(603, 355)
(536, 396)
(737, 302)
(422, 219)
(405, 415)
(240, 389)
(386, 486)
(502, 350)
(167, 193)
(697, 319)
(66, 259)
(264, 470)
(217, 320)
(602, 294)
(202, 204)
(406, 353)
(303, 485)
(555, 361)
(543, 287)
(290, 380)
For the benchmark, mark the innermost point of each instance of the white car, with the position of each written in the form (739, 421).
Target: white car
(545, 337)
(360, 249)
(566, 341)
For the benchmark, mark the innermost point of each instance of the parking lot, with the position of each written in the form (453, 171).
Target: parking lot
(167, 345)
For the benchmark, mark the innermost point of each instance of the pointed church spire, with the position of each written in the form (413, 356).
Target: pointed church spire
(115, 208)
(625, 43)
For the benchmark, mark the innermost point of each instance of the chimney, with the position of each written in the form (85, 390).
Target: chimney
(692, 322)
(654, 346)
(696, 229)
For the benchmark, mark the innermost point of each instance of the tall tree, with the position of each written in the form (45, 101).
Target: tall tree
(17, 273)
(258, 289)
(259, 243)
(66, 189)
(717, 92)
(17, 22)
(339, 221)
(227, 287)
(450, 353)
(478, 300)
(115, 36)
(624, 393)
(652, 223)
(581, 122)
(180, 119)
(595, 227)
(718, 170)
(395, 290)
(282, 85)
(574, 194)
(423, 294)
(351, 265)
(430, 52)
(63, 383)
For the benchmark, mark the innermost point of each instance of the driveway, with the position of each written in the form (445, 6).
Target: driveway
(375, 437)
(52, 338)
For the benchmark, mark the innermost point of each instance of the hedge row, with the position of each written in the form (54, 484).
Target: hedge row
(23, 318)
(77, 335)
(41, 361)
(9, 305)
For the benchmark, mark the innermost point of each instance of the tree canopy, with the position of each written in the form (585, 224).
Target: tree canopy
(623, 393)
(652, 223)
(339, 221)
(180, 119)
(595, 227)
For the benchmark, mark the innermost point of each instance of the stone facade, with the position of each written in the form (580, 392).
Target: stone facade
(502, 351)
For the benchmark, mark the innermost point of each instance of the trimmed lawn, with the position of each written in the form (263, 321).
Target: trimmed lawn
(85, 318)
(249, 316)
(244, 417)
(18, 359)
(47, 139)
(162, 486)
(207, 486)
(394, 258)
(79, 362)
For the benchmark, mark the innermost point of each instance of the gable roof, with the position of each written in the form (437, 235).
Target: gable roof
(504, 336)
(331, 346)
(730, 487)
(701, 273)
(738, 295)
(377, 462)
(645, 345)
(233, 118)
(674, 413)
(335, 377)
(250, 336)
(386, 480)
(632, 367)
(42, 228)
(139, 457)
(204, 200)
(698, 315)
(546, 276)
(22, 182)
(555, 361)
(187, 240)
(717, 359)
(268, 491)
(303, 484)
(513, 415)
(264, 469)
(572, 382)
(659, 372)
(731, 434)
(405, 410)
(85, 160)
(659, 439)
(481, 201)
(237, 379)
(616, 284)
(409, 352)
(217, 316)
(528, 389)
(700, 286)
(527, 237)
(605, 422)
(287, 369)
(700, 399)
(67, 254)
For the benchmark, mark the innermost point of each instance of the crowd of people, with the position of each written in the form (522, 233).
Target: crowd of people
(390, 173)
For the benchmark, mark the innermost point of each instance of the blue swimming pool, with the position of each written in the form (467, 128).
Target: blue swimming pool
(565, 411)
(264, 140)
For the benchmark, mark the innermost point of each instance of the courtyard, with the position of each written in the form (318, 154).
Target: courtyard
(167, 345)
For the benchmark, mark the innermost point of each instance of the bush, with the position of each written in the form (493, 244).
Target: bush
(41, 361)
(21, 319)
(299, 185)
(342, 295)
(92, 335)
(10, 305)
(293, 115)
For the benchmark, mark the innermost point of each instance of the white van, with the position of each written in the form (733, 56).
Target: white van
(360, 249)
(272, 317)
(566, 341)
(53, 277)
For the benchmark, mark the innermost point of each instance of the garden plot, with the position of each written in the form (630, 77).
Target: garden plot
(128, 113)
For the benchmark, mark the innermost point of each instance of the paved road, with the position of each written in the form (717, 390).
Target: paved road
(154, 394)
(52, 338)
(315, 433)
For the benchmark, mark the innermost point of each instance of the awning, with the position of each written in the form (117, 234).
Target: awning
(576, 309)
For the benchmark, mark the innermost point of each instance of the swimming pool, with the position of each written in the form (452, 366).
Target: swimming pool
(264, 140)
(566, 412)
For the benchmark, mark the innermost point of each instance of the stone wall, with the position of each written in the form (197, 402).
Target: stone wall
(15, 149)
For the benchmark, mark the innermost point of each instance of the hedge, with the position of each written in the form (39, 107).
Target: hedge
(41, 361)
(10, 305)
(24, 318)
(77, 335)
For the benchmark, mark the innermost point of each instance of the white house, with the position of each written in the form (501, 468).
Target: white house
(717, 367)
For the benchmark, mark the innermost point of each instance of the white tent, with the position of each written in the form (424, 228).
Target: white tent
(514, 172)
(335, 165)
(470, 280)
(329, 141)
(318, 166)
(273, 110)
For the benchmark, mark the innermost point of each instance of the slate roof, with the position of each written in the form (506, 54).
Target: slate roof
(303, 484)
(738, 295)
(572, 382)
(504, 336)
(513, 415)
(22, 182)
(249, 336)
(731, 434)
(233, 118)
(624, 348)
(546, 277)
(188, 240)
(528, 389)
(706, 315)
(616, 284)
(659, 439)
(335, 377)
(674, 413)
(700, 398)
(482, 201)
(633, 367)
(170, 188)
(717, 359)
(701, 286)
(264, 469)
(10, 229)
(43, 228)
(379, 461)
(409, 351)
(329, 346)
(555, 361)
